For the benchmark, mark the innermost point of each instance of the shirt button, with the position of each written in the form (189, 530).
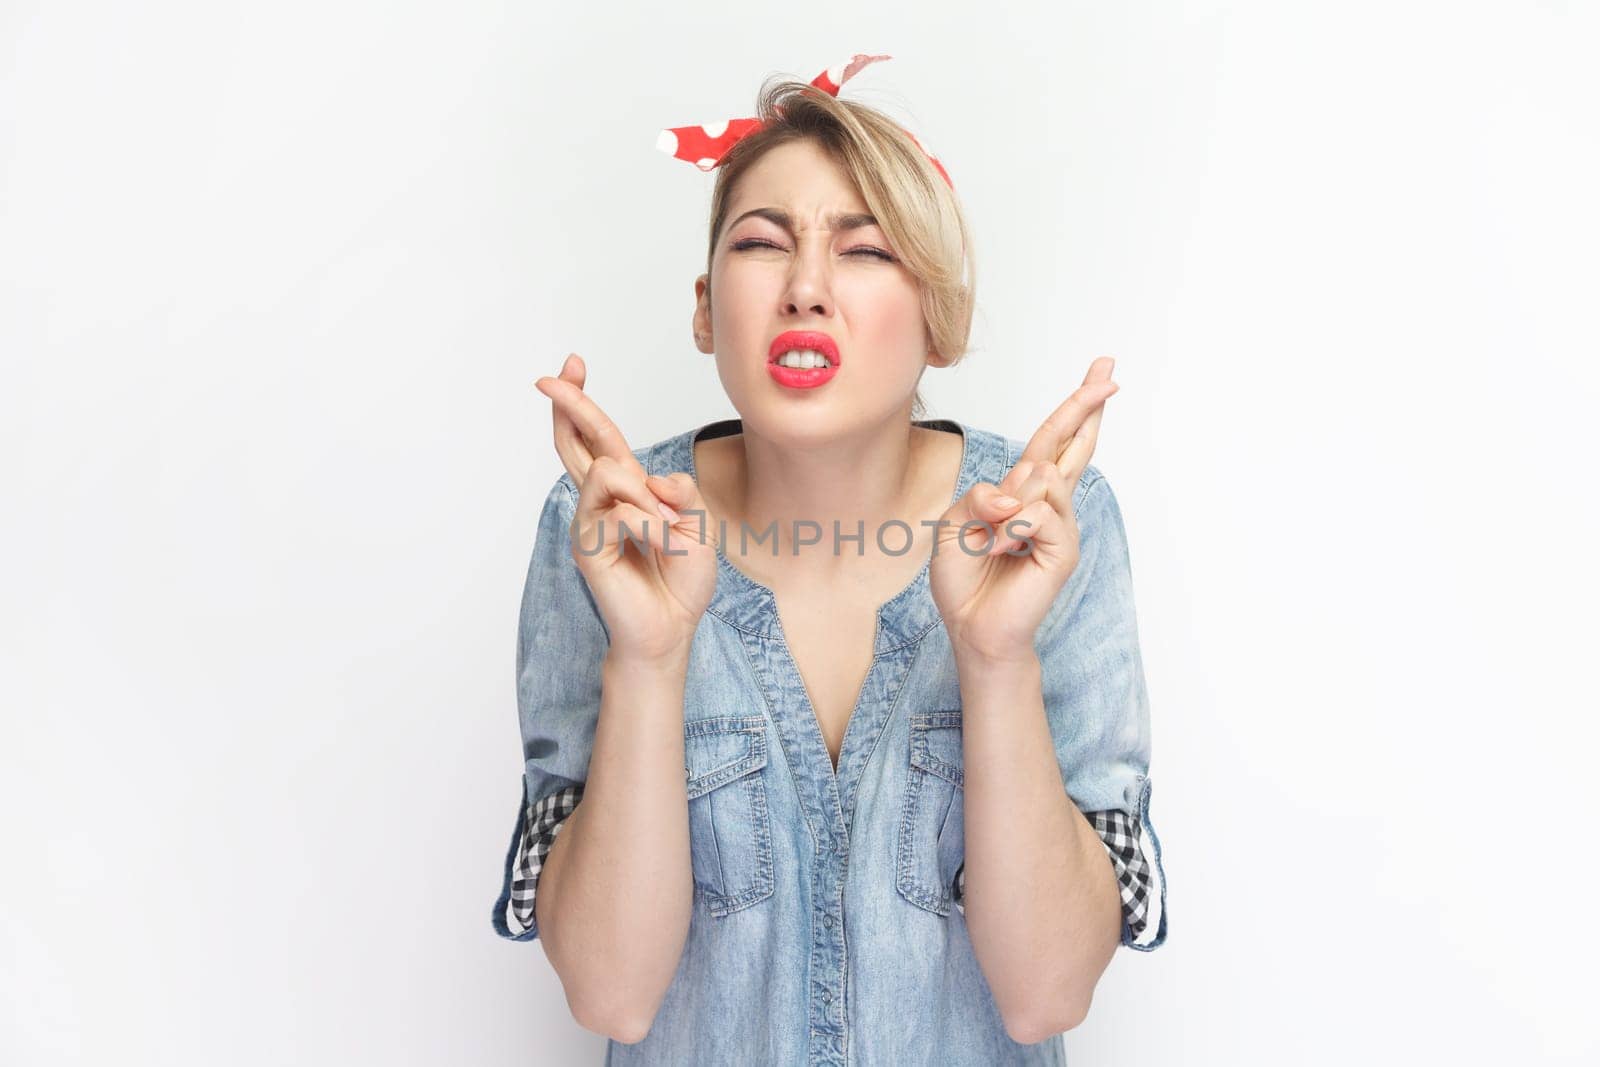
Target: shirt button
(827, 920)
(827, 996)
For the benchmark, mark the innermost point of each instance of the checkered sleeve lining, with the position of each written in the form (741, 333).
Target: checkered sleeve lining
(543, 820)
(1119, 832)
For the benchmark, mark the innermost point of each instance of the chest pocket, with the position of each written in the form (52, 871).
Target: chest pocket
(730, 833)
(932, 842)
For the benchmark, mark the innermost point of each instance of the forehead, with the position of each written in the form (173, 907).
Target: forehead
(800, 178)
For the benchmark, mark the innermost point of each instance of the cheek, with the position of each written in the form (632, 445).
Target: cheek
(889, 319)
(741, 296)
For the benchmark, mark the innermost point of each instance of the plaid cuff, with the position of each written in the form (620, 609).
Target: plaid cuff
(544, 820)
(1119, 832)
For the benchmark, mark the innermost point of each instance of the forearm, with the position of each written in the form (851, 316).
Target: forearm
(1041, 899)
(616, 890)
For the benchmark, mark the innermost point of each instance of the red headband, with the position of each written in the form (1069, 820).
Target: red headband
(706, 145)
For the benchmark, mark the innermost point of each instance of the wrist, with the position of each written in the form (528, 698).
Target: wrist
(673, 661)
(977, 668)
(980, 659)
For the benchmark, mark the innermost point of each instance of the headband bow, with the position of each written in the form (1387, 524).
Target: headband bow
(706, 145)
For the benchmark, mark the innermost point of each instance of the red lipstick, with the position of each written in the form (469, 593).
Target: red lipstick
(797, 377)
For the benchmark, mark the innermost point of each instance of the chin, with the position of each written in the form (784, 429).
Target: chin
(838, 408)
(803, 420)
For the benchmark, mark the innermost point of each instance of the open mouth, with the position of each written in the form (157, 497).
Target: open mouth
(802, 359)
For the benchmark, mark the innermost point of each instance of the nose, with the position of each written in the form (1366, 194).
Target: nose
(809, 288)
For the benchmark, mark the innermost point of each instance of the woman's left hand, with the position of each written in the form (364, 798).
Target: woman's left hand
(993, 602)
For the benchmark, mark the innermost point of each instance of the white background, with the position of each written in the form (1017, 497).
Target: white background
(276, 279)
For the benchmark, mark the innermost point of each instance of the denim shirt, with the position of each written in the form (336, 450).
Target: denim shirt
(827, 926)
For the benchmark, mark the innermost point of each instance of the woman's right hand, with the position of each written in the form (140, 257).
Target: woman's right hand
(651, 600)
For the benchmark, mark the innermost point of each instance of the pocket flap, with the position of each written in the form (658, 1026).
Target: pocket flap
(936, 744)
(717, 751)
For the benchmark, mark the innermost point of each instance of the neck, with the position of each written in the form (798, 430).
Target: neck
(869, 476)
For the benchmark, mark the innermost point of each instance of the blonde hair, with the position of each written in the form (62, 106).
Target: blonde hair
(917, 210)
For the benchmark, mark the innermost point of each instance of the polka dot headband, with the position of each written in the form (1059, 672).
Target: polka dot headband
(707, 144)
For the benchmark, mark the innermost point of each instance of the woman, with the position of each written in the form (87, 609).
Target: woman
(873, 789)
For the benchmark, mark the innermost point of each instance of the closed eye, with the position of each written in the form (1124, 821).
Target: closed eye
(863, 250)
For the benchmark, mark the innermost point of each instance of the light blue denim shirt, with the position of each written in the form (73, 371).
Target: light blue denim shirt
(827, 926)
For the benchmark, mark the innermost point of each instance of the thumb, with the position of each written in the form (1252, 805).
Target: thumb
(679, 492)
(984, 503)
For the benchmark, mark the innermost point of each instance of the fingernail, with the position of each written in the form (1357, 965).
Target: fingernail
(666, 512)
(1007, 501)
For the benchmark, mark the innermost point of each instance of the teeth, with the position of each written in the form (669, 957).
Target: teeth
(803, 359)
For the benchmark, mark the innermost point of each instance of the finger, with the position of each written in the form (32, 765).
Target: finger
(991, 502)
(1058, 493)
(1038, 526)
(676, 490)
(1051, 437)
(1044, 487)
(623, 524)
(610, 483)
(985, 505)
(679, 492)
(1079, 450)
(1028, 481)
(575, 455)
(1046, 483)
(646, 528)
(1012, 482)
(601, 436)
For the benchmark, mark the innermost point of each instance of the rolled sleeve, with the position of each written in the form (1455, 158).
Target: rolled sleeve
(561, 646)
(1134, 867)
(1098, 709)
(537, 831)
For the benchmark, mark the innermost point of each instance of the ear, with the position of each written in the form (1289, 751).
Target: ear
(934, 358)
(701, 323)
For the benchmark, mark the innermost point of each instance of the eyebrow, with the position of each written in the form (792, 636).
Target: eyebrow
(838, 221)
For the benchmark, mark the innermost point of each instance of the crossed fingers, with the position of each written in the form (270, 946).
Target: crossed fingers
(583, 433)
(1067, 436)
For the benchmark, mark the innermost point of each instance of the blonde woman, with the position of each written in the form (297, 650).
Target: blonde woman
(834, 719)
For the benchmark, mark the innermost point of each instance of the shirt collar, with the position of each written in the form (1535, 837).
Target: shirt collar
(747, 605)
